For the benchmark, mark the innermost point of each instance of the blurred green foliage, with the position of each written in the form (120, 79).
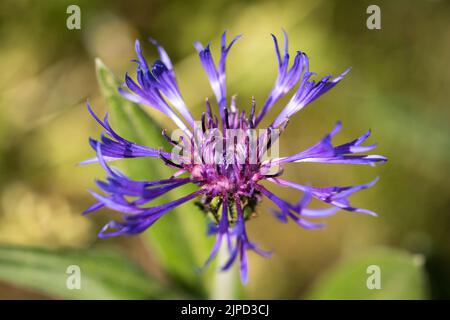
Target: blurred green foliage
(376, 274)
(397, 86)
(104, 274)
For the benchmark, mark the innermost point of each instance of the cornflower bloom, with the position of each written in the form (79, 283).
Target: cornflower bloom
(225, 156)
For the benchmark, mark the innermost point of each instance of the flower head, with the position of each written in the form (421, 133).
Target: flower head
(226, 155)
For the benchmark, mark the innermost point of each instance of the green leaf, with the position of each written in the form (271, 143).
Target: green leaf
(179, 239)
(401, 277)
(104, 274)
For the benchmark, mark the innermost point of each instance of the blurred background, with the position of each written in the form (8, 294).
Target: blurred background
(398, 87)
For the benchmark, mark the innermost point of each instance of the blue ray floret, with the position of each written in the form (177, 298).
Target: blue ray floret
(227, 169)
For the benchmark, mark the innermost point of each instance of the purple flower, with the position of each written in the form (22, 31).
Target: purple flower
(227, 158)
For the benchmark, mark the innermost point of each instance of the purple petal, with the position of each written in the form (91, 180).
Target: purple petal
(336, 196)
(325, 152)
(307, 92)
(120, 147)
(286, 79)
(216, 76)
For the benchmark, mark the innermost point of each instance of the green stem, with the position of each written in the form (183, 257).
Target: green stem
(225, 282)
